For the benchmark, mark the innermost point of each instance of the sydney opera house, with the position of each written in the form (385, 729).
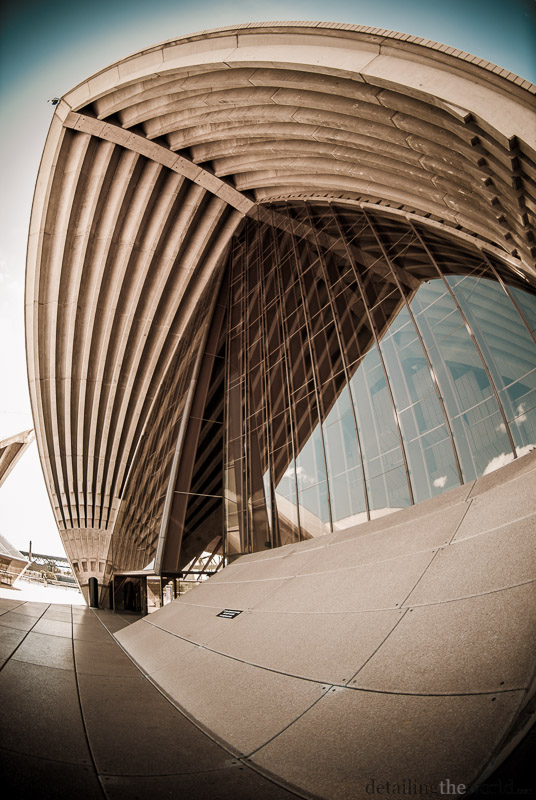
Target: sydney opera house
(281, 313)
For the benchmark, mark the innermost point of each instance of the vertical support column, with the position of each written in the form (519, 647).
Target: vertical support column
(376, 337)
(342, 351)
(314, 367)
(286, 367)
(392, 269)
(93, 589)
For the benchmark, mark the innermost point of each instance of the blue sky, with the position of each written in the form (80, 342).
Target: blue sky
(47, 48)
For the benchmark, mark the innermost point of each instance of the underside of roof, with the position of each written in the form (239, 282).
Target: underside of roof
(151, 165)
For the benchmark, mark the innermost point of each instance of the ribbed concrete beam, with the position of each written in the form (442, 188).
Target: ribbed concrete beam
(150, 165)
(138, 243)
(160, 155)
(341, 95)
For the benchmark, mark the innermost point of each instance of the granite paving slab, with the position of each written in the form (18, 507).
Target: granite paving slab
(41, 713)
(350, 739)
(134, 730)
(46, 650)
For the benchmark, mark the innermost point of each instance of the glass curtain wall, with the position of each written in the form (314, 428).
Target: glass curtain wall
(371, 364)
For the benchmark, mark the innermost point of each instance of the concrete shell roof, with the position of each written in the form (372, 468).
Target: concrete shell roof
(8, 551)
(11, 449)
(151, 164)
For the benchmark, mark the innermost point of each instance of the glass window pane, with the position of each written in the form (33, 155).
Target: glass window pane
(314, 303)
(421, 417)
(507, 347)
(527, 303)
(347, 493)
(310, 461)
(388, 492)
(463, 382)
(314, 510)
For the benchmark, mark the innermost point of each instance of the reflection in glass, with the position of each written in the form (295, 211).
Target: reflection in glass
(508, 349)
(370, 365)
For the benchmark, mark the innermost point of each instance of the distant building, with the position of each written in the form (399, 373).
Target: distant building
(54, 568)
(12, 563)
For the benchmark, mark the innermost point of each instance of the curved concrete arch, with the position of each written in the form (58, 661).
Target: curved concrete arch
(149, 169)
(261, 112)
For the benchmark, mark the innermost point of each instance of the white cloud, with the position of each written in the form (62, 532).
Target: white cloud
(523, 451)
(505, 458)
(440, 482)
(520, 417)
(498, 462)
(301, 475)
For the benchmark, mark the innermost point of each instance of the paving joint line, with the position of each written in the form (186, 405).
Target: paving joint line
(8, 659)
(82, 717)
